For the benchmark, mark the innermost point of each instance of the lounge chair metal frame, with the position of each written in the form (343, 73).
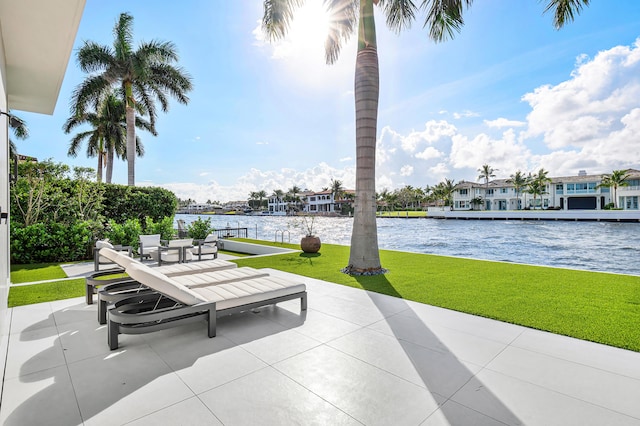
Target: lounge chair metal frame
(92, 281)
(147, 313)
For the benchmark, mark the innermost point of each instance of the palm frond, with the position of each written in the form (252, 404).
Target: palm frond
(343, 20)
(277, 17)
(123, 37)
(89, 92)
(564, 10)
(400, 13)
(444, 17)
(93, 57)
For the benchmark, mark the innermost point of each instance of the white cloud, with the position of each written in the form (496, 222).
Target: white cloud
(262, 143)
(465, 114)
(503, 122)
(406, 170)
(429, 153)
(505, 154)
(345, 159)
(590, 105)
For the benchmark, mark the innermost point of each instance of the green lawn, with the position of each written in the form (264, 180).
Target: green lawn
(46, 292)
(593, 306)
(36, 272)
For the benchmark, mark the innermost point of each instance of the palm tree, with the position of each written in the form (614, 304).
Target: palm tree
(443, 19)
(519, 181)
(146, 75)
(486, 173)
(261, 194)
(615, 180)
(253, 196)
(538, 184)
(107, 139)
(20, 131)
(294, 191)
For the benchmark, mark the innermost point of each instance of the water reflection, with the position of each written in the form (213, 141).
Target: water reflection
(596, 246)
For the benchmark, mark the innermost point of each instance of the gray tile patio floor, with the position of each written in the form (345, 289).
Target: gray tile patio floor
(354, 357)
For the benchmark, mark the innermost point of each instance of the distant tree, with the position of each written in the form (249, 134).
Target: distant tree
(537, 185)
(145, 74)
(477, 201)
(486, 173)
(443, 191)
(261, 195)
(519, 182)
(615, 180)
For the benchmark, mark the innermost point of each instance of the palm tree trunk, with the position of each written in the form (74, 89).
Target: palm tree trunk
(131, 136)
(110, 156)
(364, 255)
(99, 172)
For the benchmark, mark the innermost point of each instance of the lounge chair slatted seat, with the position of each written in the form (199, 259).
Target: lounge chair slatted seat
(223, 276)
(123, 261)
(175, 303)
(124, 288)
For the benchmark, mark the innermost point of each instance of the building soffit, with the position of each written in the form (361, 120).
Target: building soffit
(38, 37)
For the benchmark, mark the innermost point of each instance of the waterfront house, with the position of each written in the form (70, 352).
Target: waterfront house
(580, 192)
(319, 202)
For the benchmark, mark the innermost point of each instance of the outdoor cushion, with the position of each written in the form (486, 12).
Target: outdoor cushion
(163, 284)
(195, 267)
(245, 292)
(223, 276)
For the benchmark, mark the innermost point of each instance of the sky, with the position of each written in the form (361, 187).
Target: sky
(509, 91)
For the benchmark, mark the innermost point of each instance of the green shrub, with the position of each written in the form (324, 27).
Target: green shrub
(199, 229)
(128, 202)
(163, 227)
(51, 242)
(125, 234)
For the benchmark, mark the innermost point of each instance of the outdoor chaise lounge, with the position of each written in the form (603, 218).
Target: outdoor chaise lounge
(111, 293)
(174, 304)
(123, 261)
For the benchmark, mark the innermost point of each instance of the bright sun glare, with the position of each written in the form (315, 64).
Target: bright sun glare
(310, 25)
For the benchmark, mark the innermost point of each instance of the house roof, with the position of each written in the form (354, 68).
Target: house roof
(37, 37)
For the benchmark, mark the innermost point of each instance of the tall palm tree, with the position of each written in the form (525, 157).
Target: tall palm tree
(615, 180)
(261, 194)
(337, 190)
(107, 139)
(294, 191)
(519, 181)
(145, 75)
(443, 19)
(538, 184)
(486, 173)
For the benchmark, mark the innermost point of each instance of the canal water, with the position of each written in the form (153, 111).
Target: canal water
(594, 246)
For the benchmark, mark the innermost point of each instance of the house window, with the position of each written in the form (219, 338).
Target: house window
(559, 188)
(312, 198)
(504, 190)
(464, 191)
(489, 192)
(631, 203)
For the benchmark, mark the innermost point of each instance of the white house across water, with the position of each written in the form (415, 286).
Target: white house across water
(581, 192)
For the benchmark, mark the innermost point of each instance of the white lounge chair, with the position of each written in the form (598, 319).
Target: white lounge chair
(174, 304)
(148, 243)
(176, 251)
(102, 260)
(207, 248)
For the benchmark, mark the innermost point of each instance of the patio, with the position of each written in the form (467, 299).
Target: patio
(354, 357)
